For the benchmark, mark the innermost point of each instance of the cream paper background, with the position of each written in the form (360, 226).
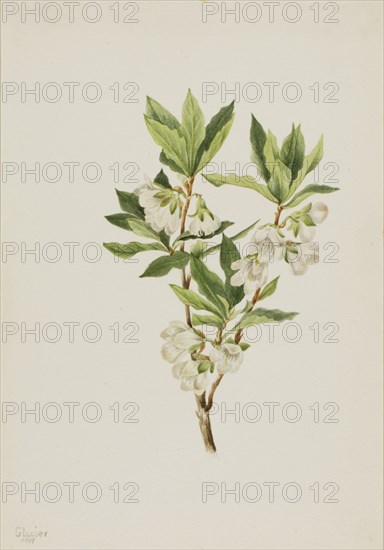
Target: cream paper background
(169, 50)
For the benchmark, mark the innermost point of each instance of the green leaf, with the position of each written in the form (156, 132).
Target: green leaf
(271, 152)
(121, 220)
(198, 248)
(129, 250)
(163, 265)
(159, 113)
(279, 181)
(164, 238)
(308, 191)
(239, 235)
(260, 316)
(269, 289)
(198, 319)
(143, 229)
(162, 179)
(215, 135)
(315, 156)
(186, 236)
(258, 139)
(171, 141)
(245, 231)
(309, 164)
(193, 128)
(170, 163)
(190, 298)
(228, 254)
(292, 151)
(129, 202)
(210, 285)
(240, 181)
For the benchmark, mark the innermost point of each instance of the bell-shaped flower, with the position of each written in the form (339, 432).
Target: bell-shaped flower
(301, 256)
(250, 272)
(269, 243)
(318, 212)
(162, 207)
(203, 222)
(179, 340)
(228, 358)
(190, 377)
(307, 233)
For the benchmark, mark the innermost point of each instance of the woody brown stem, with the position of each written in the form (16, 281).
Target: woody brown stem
(205, 424)
(185, 279)
(201, 413)
(277, 215)
(239, 333)
(212, 392)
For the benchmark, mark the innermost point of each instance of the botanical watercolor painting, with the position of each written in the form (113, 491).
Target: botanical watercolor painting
(172, 214)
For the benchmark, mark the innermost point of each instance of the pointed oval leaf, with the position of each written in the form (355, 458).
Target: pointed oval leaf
(126, 251)
(163, 265)
(308, 191)
(193, 128)
(192, 299)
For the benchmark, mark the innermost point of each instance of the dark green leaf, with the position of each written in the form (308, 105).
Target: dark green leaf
(228, 254)
(163, 265)
(129, 202)
(162, 179)
(258, 139)
(309, 164)
(171, 164)
(215, 135)
(159, 113)
(292, 151)
(121, 220)
(164, 238)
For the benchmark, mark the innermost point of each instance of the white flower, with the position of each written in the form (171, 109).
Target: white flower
(307, 233)
(189, 376)
(179, 339)
(268, 243)
(318, 212)
(305, 255)
(204, 222)
(250, 272)
(228, 358)
(161, 207)
(206, 226)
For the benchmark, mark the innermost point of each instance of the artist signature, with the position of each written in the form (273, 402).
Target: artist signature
(29, 536)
